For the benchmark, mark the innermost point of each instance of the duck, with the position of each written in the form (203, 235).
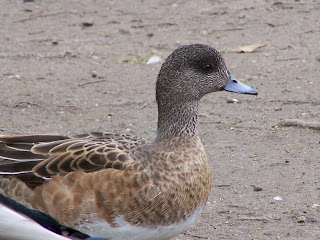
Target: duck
(118, 186)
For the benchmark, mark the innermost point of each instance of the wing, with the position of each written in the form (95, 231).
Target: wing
(34, 158)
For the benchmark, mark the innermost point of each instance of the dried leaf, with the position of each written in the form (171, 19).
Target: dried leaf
(249, 48)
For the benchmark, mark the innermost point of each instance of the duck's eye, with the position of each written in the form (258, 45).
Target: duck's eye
(207, 67)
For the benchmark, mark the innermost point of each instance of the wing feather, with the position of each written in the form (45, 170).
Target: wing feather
(47, 155)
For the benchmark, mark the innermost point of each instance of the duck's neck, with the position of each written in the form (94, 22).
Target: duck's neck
(177, 119)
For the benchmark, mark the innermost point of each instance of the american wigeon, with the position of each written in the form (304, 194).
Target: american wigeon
(118, 186)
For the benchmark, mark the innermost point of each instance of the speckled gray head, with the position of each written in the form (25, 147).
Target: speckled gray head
(191, 71)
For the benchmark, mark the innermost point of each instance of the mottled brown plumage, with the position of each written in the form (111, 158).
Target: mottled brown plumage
(87, 180)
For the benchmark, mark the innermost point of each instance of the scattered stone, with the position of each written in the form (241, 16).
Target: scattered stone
(233, 100)
(154, 59)
(87, 24)
(301, 219)
(277, 198)
(256, 188)
(94, 74)
(16, 77)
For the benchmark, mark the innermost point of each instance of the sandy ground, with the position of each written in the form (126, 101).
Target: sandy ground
(76, 66)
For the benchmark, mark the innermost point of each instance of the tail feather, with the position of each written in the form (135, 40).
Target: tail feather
(18, 159)
(18, 167)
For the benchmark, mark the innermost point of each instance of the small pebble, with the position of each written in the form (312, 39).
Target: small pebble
(154, 59)
(16, 77)
(256, 189)
(301, 219)
(277, 198)
(87, 24)
(94, 74)
(233, 100)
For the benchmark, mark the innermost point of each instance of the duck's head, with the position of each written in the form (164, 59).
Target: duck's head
(192, 71)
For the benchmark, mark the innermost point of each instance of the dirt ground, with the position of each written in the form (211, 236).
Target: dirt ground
(70, 67)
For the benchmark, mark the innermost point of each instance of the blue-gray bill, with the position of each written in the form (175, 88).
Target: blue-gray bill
(234, 85)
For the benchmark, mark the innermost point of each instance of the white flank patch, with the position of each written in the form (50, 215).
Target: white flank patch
(125, 230)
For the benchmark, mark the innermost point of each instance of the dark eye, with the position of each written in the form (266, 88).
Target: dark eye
(207, 67)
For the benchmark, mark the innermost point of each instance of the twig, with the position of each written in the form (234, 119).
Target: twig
(286, 59)
(128, 103)
(41, 15)
(31, 55)
(69, 107)
(299, 123)
(38, 40)
(226, 29)
(253, 219)
(294, 3)
(298, 102)
(302, 102)
(102, 39)
(37, 32)
(223, 185)
(87, 83)
(26, 104)
(165, 24)
(143, 106)
(196, 236)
